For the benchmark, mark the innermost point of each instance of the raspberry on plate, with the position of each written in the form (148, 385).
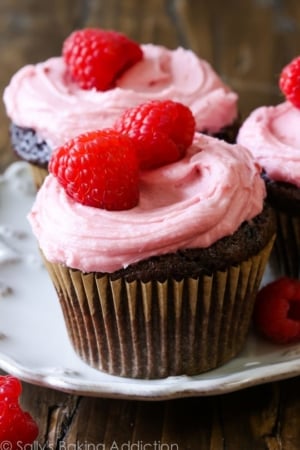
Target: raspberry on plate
(17, 427)
(98, 168)
(289, 81)
(277, 311)
(95, 58)
(161, 130)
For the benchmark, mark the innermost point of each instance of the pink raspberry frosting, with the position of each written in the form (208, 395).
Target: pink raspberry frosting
(41, 97)
(271, 133)
(191, 203)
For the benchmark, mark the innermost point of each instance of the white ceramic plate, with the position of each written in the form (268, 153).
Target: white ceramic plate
(34, 344)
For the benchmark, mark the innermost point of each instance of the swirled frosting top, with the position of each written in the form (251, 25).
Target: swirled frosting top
(271, 133)
(189, 204)
(42, 97)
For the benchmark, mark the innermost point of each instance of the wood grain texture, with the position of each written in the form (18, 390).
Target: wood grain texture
(260, 418)
(248, 43)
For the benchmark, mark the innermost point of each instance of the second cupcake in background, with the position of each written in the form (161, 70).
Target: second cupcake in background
(271, 133)
(99, 74)
(156, 239)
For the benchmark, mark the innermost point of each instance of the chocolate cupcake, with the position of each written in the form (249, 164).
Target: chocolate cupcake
(166, 287)
(48, 106)
(271, 134)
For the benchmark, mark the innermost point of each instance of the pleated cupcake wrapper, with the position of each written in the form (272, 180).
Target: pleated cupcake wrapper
(285, 256)
(157, 329)
(38, 175)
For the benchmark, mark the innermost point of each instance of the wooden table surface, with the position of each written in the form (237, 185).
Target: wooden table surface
(247, 42)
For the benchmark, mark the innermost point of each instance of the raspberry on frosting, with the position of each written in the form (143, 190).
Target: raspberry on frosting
(95, 58)
(289, 81)
(99, 169)
(161, 130)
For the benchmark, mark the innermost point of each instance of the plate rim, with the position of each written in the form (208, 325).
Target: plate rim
(163, 389)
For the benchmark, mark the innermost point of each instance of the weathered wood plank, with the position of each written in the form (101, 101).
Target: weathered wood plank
(263, 417)
(289, 418)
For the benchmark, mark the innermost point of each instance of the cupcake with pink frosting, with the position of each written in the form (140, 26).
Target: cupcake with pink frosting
(271, 134)
(156, 267)
(53, 101)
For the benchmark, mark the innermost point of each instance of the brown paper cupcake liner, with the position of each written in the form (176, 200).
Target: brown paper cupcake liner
(285, 257)
(158, 329)
(38, 175)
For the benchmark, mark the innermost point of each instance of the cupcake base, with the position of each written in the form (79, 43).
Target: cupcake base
(157, 329)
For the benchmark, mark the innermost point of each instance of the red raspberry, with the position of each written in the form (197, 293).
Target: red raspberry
(289, 81)
(98, 168)
(161, 130)
(95, 58)
(277, 311)
(16, 426)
